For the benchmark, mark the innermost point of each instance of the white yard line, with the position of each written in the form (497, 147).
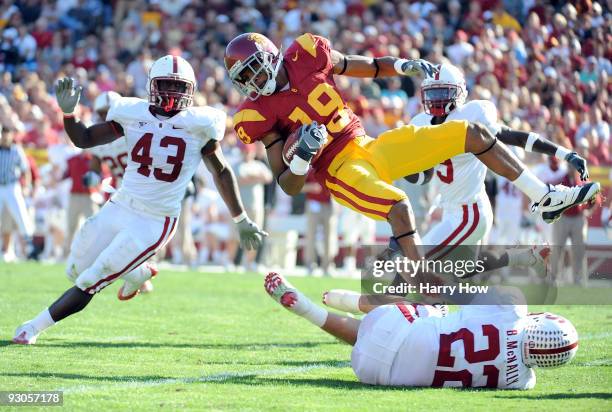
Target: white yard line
(217, 377)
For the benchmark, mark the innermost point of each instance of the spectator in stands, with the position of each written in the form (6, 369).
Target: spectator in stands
(321, 213)
(80, 204)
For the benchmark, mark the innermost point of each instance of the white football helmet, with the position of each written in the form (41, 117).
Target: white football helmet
(103, 101)
(549, 340)
(443, 90)
(171, 83)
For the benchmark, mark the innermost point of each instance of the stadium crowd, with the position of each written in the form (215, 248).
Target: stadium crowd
(545, 64)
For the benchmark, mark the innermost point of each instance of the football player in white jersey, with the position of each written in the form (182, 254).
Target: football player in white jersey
(114, 155)
(167, 138)
(481, 345)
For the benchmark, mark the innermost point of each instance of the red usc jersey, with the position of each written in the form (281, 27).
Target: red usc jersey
(312, 96)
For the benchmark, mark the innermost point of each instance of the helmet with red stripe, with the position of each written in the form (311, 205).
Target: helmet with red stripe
(549, 340)
(443, 90)
(252, 62)
(171, 83)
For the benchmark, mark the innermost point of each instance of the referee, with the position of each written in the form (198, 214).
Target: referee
(13, 166)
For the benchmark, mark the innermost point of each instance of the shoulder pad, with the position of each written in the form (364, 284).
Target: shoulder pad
(127, 109)
(205, 122)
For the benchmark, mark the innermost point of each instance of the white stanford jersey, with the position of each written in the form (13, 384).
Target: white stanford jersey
(114, 155)
(461, 178)
(478, 346)
(163, 155)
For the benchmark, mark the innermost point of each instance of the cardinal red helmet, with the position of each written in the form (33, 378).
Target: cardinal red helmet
(247, 58)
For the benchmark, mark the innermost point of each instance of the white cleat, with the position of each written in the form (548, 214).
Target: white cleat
(281, 290)
(561, 198)
(26, 334)
(286, 294)
(134, 281)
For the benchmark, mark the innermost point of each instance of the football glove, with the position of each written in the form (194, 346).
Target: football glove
(578, 163)
(251, 236)
(312, 138)
(416, 67)
(67, 94)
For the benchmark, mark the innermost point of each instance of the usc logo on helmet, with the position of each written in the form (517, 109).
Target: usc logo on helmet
(257, 38)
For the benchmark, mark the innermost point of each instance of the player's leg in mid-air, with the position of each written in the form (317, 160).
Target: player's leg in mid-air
(406, 150)
(110, 244)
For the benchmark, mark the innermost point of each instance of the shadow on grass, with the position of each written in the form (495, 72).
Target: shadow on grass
(5, 343)
(254, 380)
(149, 345)
(561, 396)
(82, 377)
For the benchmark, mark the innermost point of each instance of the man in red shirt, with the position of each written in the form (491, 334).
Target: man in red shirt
(320, 212)
(80, 203)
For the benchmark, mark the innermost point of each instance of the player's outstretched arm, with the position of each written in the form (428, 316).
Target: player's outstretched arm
(251, 236)
(533, 142)
(388, 66)
(68, 97)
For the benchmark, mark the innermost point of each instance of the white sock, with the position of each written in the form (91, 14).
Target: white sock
(529, 184)
(308, 310)
(43, 320)
(345, 300)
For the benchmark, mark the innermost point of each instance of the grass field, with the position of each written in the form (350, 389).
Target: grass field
(217, 341)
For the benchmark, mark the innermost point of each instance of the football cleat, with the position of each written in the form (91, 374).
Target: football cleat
(26, 334)
(281, 290)
(136, 280)
(286, 294)
(561, 198)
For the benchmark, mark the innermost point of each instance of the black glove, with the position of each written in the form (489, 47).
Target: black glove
(312, 139)
(578, 163)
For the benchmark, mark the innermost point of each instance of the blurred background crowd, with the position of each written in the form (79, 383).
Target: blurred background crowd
(545, 64)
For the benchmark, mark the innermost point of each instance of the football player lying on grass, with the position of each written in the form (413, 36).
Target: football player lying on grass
(492, 346)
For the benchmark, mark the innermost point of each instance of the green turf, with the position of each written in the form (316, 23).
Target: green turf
(217, 342)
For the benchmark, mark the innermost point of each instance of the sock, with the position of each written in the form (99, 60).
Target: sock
(309, 311)
(529, 184)
(345, 300)
(43, 320)
(520, 257)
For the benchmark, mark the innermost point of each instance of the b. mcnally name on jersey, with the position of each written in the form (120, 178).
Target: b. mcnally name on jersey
(429, 288)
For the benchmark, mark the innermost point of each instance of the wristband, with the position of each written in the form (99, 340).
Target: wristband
(299, 166)
(398, 65)
(562, 153)
(531, 139)
(240, 217)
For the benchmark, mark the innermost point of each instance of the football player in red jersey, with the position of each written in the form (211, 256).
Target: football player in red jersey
(286, 91)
